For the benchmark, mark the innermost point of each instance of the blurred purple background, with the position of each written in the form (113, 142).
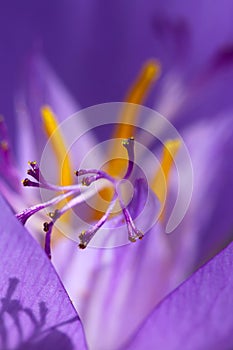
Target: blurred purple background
(97, 47)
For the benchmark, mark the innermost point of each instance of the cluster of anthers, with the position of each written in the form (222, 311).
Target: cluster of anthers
(77, 194)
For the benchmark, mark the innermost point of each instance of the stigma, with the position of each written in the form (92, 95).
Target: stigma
(69, 196)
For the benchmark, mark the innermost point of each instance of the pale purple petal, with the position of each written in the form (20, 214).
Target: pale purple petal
(180, 34)
(204, 41)
(197, 315)
(204, 97)
(207, 226)
(92, 46)
(114, 289)
(211, 208)
(40, 87)
(35, 310)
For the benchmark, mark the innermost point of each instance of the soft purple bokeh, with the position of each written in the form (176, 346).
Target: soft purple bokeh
(97, 48)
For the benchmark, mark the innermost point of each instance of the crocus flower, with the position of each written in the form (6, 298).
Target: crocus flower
(118, 277)
(127, 282)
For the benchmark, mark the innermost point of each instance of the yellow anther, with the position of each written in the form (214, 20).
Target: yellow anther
(51, 129)
(127, 120)
(32, 162)
(50, 125)
(139, 90)
(128, 117)
(160, 182)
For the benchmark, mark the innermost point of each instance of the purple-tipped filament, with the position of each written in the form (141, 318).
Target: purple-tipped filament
(77, 194)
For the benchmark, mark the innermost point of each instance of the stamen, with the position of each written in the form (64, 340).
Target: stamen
(41, 182)
(137, 94)
(129, 145)
(58, 213)
(133, 232)
(51, 130)
(128, 118)
(48, 226)
(54, 214)
(34, 171)
(101, 173)
(71, 190)
(28, 183)
(125, 128)
(87, 181)
(149, 73)
(86, 236)
(106, 193)
(80, 197)
(160, 182)
(48, 230)
(59, 146)
(33, 164)
(27, 213)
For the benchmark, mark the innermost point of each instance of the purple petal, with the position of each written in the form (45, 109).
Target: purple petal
(212, 196)
(160, 262)
(171, 32)
(207, 226)
(207, 96)
(195, 316)
(35, 310)
(124, 283)
(41, 87)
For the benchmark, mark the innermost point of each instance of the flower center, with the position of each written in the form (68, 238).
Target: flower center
(125, 190)
(79, 193)
(116, 173)
(125, 128)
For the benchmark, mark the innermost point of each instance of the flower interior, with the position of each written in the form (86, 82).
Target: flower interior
(120, 168)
